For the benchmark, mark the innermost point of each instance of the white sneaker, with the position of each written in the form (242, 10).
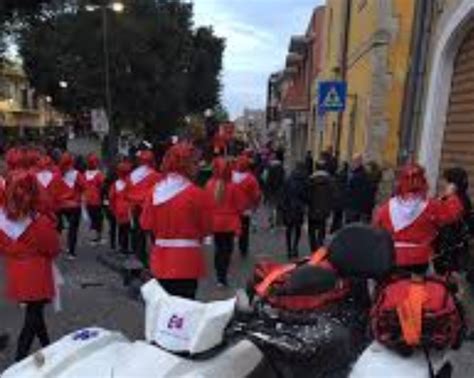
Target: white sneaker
(71, 257)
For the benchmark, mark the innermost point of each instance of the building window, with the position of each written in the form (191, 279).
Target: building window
(361, 5)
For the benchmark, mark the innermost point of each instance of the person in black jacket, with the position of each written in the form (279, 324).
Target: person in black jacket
(275, 179)
(359, 193)
(320, 204)
(452, 244)
(292, 205)
(339, 197)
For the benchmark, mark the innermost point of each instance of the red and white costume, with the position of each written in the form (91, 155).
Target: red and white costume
(414, 220)
(227, 212)
(141, 181)
(93, 183)
(247, 184)
(68, 189)
(29, 247)
(177, 212)
(118, 203)
(46, 177)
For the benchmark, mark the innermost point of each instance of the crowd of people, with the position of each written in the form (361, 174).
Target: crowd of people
(321, 194)
(160, 214)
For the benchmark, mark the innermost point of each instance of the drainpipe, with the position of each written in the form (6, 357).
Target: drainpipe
(414, 85)
(343, 73)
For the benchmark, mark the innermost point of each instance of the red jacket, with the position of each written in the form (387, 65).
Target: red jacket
(248, 185)
(139, 185)
(68, 189)
(118, 203)
(46, 179)
(415, 231)
(94, 181)
(178, 214)
(28, 257)
(226, 214)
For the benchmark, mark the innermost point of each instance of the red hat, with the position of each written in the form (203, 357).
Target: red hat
(221, 169)
(146, 157)
(411, 180)
(123, 169)
(181, 159)
(93, 161)
(22, 194)
(243, 163)
(66, 162)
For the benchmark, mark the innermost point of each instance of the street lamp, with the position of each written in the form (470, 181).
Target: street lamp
(63, 84)
(117, 7)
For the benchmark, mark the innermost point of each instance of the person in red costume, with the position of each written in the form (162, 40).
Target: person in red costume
(94, 181)
(227, 205)
(138, 187)
(250, 189)
(413, 219)
(68, 188)
(119, 206)
(46, 175)
(29, 244)
(178, 214)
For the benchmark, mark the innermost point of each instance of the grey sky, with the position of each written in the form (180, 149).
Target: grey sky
(257, 33)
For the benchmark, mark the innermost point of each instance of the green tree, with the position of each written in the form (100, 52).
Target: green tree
(161, 67)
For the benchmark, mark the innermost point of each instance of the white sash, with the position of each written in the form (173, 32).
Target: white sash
(169, 188)
(91, 174)
(238, 177)
(70, 178)
(44, 178)
(13, 229)
(404, 213)
(119, 185)
(139, 174)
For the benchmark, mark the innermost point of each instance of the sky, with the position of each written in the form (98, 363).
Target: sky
(257, 34)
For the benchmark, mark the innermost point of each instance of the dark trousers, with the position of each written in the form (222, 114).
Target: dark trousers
(337, 221)
(244, 237)
(293, 235)
(97, 219)
(356, 216)
(112, 228)
(139, 239)
(33, 326)
(224, 246)
(180, 288)
(73, 217)
(317, 232)
(124, 237)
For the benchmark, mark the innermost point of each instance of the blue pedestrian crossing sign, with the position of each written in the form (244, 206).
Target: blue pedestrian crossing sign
(332, 96)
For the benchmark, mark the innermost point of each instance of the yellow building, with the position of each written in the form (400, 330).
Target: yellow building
(374, 60)
(22, 110)
(377, 67)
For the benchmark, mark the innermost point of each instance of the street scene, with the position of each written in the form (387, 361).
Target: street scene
(210, 188)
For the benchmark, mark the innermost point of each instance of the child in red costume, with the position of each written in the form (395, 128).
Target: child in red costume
(177, 213)
(228, 203)
(68, 188)
(138, 187)
(94, 181)
(29, 243)
(119, 206)
(413, 219)
(250, 189)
